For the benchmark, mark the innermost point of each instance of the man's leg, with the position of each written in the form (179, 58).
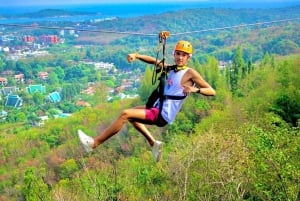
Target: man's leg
(133, 115)
(116, 126)
(143, 130)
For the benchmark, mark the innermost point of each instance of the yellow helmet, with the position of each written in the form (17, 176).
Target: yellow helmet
(184, 46)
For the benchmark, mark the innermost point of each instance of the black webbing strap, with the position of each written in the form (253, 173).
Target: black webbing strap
(164, 71)
(174, 97)
(163, 77)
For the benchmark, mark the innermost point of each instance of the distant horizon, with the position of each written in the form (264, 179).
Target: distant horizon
(16, 3)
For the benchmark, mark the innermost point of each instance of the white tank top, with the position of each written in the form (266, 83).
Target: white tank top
(173, 88)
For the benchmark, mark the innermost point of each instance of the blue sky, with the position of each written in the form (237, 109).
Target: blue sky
(57, 2)
(66, 2)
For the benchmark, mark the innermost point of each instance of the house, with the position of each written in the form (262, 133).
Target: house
(222, 64)
(13, 101)
(19, 78)
(83, 103)
(49, 39)
(54, 97)
(7, 73)
(89, 91)
(3, 115)
(3, 81)
(43, 75)
(28, 39)
(64, 115)
(104, 65)
(8, 90)
(41, 121)
(36, 88)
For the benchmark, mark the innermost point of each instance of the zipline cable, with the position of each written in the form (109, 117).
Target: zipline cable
(238, 26)
(150, 34)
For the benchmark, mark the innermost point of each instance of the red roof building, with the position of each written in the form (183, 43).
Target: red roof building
(43, 75)
(28, 39)
(19, 78)
(3, 81)
(49, 39)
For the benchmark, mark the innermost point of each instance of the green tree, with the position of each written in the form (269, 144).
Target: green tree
(20, 117)
(59, 72)
(89, 54)
(38, 98)
(237, 69)
(16, 115)
(2, 62)
(249, 67)
(34, 188)
(53, 79)
(213, 71)
(287, 103)
(69, 91)
(24, 67)
(74, 73)
(272, 62)
(11, 81)
(68, 168)
(266, 59)
(146, 85)
(101, 93)
(275, 161)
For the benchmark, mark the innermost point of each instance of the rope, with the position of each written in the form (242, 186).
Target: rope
(155, 70)
(150, 34)
(162, 37)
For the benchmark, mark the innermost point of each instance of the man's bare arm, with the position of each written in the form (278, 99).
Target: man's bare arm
(202, 86)
(145, 58)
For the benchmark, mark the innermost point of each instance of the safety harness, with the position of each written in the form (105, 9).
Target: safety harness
(158, 93)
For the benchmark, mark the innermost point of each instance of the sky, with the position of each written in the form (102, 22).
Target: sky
(58, 2)
(72, 2)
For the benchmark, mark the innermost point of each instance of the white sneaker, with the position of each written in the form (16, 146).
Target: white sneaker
(86, 141)
(157, 150)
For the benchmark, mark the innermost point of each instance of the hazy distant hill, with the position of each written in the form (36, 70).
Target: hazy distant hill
(201, 26)
(198, 19)
(48, 13)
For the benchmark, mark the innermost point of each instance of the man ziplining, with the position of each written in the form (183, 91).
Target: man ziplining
(181, 81)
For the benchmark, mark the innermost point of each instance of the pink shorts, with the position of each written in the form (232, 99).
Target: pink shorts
(152, 114)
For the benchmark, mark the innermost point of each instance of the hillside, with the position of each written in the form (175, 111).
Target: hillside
(206, 29)
(243, 149)
(46, 13)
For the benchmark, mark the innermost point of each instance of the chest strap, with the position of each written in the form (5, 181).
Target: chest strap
(176, 68)
(174, 97)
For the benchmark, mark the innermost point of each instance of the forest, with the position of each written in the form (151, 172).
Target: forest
(242, 144)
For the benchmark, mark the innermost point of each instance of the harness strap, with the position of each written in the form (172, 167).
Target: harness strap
(177, 68)
(174, 97)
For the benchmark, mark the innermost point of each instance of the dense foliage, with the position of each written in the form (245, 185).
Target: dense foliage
(237, 147)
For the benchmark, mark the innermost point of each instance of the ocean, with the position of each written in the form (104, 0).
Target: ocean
(128, 10)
